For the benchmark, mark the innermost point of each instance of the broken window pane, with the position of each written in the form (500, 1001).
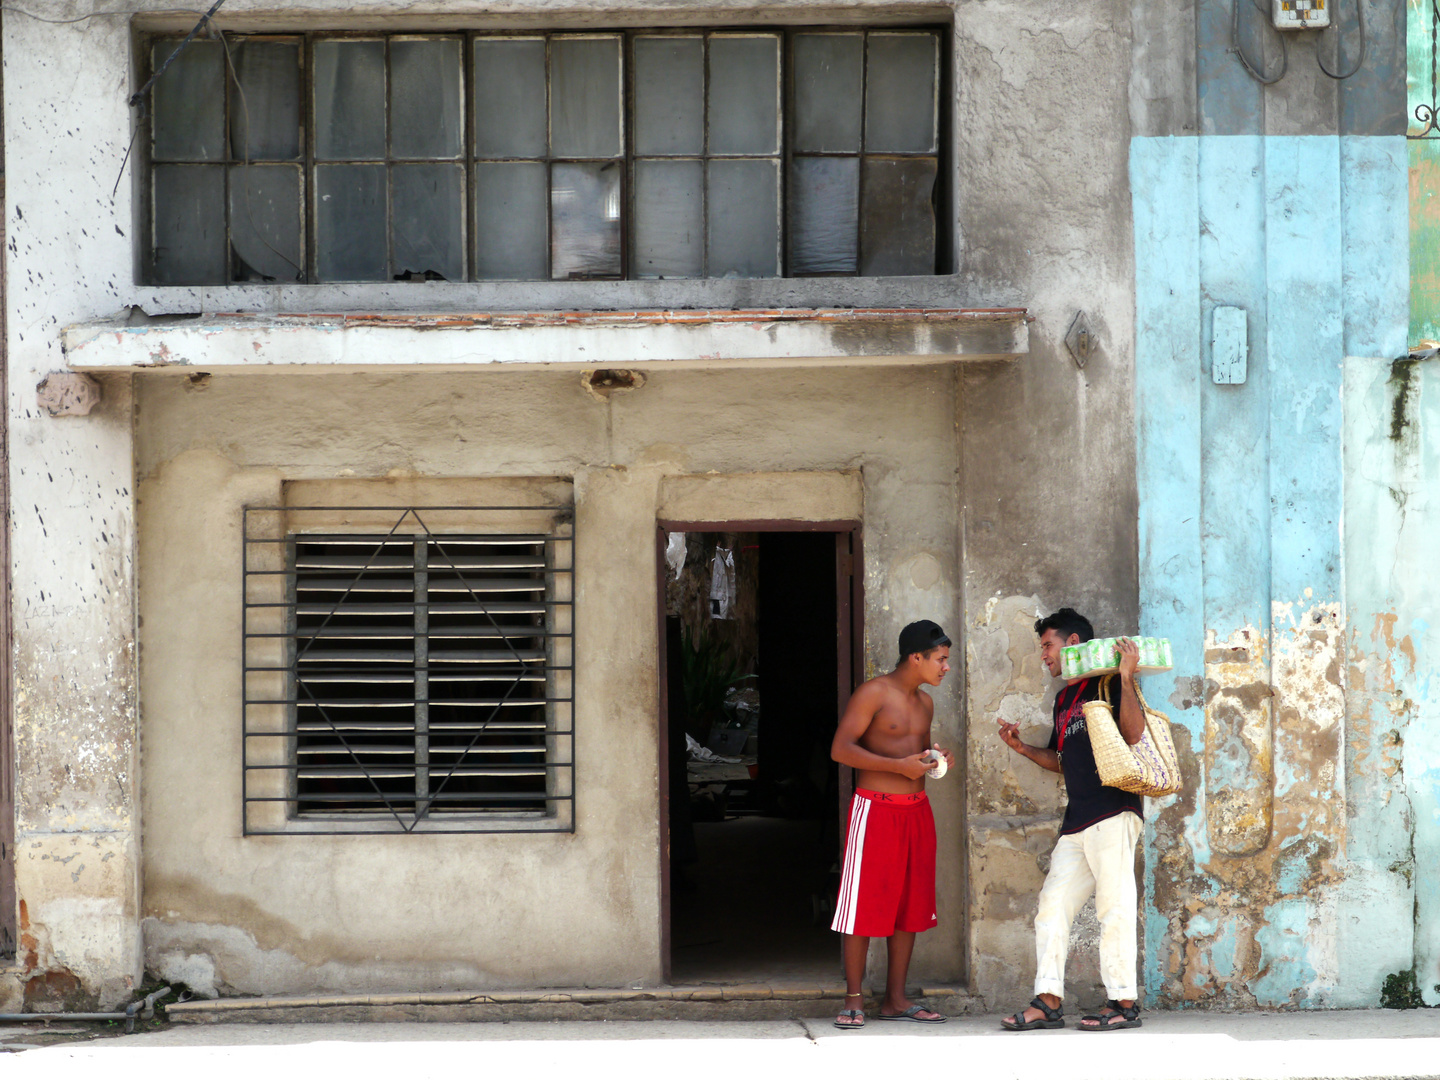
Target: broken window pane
(827, 92)
(744, 211)
(510, 115)
(350, 100)
(265, 108)
(510, 221)
(744, 94)
(900, 82)
(425, 91)
(669, 219)
(669, 95)
(265, 225)
(585, 220)
(897, 224)
(585, 97)
(824, 202)
(427, 231)
(189, 228)
(189, 102)
(350, 223)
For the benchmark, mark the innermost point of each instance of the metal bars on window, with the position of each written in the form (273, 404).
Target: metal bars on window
(641, 154)
(406, 679)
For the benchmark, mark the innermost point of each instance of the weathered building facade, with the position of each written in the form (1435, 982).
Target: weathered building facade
(272, 375)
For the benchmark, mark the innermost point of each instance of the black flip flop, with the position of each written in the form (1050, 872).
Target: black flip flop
(912, 1014)
(857, 1015)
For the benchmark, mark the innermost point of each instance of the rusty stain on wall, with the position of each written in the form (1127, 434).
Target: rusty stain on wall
(1239, 758)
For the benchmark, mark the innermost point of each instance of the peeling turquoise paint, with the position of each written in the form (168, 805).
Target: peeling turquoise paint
(1222, 951)
(1393, 753)
(1285, 970)
(1247, 537)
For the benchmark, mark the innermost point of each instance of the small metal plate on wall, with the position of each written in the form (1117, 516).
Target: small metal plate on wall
(1229, 346)
(1079, 339)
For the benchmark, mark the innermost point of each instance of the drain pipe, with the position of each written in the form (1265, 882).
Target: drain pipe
(144, 1009)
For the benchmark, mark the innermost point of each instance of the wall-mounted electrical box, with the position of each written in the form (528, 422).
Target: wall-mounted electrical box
(1301, 14)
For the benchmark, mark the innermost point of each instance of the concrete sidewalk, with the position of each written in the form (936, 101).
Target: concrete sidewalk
(1179, 1045)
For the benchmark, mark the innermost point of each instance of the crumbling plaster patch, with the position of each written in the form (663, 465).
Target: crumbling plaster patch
(1256, 924)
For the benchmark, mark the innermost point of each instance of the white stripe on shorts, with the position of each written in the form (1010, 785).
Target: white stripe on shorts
(846, 902)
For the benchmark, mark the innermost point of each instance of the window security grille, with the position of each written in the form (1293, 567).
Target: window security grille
(466, 156)
(424, 679)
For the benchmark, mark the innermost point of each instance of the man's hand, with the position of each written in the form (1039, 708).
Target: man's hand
(1129, 658)
(914, 766)
(1042, 756)
(941, 752)
(1130, 718)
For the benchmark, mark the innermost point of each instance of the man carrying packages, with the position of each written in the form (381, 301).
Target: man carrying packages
(1096, 850)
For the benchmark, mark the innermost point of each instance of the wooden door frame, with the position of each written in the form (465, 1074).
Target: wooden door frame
(850, 666)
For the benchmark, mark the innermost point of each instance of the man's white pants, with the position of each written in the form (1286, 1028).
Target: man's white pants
(1099, 860)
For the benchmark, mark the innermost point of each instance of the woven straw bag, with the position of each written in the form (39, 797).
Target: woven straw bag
(1150, 767)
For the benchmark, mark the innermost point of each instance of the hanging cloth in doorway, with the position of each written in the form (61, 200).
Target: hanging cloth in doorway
(675, 553)
(722, 584)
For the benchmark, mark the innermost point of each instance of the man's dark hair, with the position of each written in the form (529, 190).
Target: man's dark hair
(1065, 622)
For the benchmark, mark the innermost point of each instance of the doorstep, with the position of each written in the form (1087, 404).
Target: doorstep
(750, 1001)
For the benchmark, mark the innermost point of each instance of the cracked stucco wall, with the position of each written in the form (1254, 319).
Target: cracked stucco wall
(1391, 898)
(279, 914)
(1049, 493)
(1289, 203)
(77, 815)
(1040, 449)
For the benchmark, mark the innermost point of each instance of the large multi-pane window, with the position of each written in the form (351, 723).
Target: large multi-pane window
(685, 154)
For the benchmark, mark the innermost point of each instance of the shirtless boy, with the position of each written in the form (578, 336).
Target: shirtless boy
(887, 888)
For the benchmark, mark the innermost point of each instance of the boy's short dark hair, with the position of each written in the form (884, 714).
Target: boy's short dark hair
(1065, 622)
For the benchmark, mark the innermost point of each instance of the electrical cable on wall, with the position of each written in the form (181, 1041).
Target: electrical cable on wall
(98, 14)
(138, 98)
(1240, 52)
(1364, 44)
(1265, 80)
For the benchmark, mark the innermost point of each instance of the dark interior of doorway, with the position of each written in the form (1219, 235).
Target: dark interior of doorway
(754, 842)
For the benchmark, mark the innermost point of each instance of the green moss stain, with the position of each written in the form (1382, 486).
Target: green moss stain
(1401, 992)
(1401, 383)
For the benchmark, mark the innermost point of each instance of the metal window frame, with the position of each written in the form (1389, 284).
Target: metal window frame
(706, 155)
(270, 622)
(310, 209)
(863, 154)
(943, 197)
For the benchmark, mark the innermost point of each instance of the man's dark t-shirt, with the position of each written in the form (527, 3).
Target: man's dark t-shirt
(1088, 800)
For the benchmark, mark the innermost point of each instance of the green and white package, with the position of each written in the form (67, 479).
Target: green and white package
(1101, 656)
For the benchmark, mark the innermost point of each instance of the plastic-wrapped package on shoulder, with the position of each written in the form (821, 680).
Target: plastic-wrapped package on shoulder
(1101, 656)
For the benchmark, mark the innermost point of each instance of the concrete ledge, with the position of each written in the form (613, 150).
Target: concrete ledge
(782, 337)
(741, 1002)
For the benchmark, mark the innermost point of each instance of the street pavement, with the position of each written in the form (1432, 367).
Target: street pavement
(1187, 1045)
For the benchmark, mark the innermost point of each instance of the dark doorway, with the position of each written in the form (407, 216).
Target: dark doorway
(754, 687)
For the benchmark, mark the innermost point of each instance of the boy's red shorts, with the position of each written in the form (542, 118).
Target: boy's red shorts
(888, 882)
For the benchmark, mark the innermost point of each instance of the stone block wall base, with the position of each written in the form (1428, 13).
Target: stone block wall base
(662, 1003)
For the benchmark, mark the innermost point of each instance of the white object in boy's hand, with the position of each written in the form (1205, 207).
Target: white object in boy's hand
(939, 768)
